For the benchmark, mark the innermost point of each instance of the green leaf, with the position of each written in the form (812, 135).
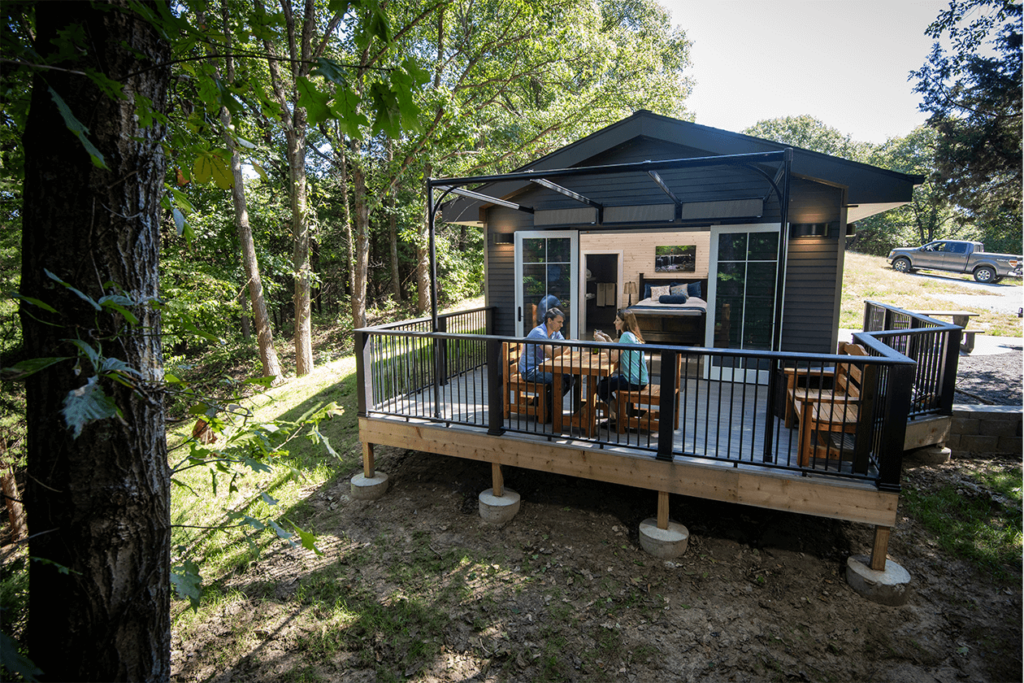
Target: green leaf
(89, 351)
(245, 143)
(331, 70)
(202, 170)
(35, 302)
(308, 539)
(25, 368)
(281, 533)
(87, 404)
(260, 170)
(256, 465)
(85, 297)
(78, 130)
(111, 88)
(254, 523)
(187, 582)
(313, 101)
(15, 663)
(179, 220)
(268, 499)
(388, 115)
(117, 365)
(118, 303)
(261, 381)
(222, 175)
(199, 409)
(346, 110)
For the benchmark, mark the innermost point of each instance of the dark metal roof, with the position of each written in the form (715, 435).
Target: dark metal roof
(870, 190)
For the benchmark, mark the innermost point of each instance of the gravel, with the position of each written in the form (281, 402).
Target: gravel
(993, 379)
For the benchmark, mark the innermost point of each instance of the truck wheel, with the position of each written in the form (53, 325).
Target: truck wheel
(984, 274)
(902, 265)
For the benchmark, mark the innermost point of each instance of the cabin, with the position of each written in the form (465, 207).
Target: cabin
(729, 250)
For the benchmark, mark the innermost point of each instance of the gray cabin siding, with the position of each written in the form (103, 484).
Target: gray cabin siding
(813, 268)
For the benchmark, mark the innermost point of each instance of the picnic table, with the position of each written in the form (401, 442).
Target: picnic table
(961, 319)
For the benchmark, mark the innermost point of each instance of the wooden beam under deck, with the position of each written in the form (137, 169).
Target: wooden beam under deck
(747, 485)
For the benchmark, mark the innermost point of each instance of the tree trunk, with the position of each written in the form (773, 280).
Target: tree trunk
(300, 238)
(250, 264)
(362, 239)
(100, 503)
(243, 305)
(396, 276)
(15, 510)
(423, 260)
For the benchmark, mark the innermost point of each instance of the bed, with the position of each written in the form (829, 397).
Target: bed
(671, 323)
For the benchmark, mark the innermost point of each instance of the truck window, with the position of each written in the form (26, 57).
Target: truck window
(958, 247)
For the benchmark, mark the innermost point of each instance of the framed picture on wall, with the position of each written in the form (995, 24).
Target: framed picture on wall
(678, 259)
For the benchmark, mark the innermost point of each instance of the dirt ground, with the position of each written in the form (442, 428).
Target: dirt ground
(416, 587)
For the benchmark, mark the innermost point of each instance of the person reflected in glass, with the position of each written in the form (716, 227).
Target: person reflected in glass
(632, 370)
(547, 303)
(534, 353)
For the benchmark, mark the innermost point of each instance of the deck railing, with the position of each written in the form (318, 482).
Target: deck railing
(731, 404)
(935, 347)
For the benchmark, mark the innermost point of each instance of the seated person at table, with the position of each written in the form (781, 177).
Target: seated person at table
(535, 354)
(632, 374)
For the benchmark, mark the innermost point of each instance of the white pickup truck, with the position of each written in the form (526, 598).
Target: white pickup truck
(957, 256)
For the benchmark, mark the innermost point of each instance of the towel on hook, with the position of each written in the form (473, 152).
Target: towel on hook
(606, 294)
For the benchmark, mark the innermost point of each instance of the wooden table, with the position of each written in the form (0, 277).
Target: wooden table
(961, 319)
(580, 364)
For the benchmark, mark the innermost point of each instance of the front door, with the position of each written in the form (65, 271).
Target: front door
(744, 267)
(546, 276)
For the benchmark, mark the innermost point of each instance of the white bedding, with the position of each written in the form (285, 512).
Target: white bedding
(693, 306)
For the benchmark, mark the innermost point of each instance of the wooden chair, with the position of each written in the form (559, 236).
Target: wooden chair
(520, 396)
(824, 412)
(840, 382)
(647, 399)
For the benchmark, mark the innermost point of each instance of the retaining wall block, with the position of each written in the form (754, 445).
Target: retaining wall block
(973, 443)
(1012, 445)
(997, 427)
(964, 425)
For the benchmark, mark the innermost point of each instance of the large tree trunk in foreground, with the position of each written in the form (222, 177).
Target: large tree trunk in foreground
(99, 504)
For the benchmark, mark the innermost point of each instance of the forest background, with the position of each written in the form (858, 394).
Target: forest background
(297, 140)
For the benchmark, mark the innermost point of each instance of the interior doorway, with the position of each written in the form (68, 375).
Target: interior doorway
(602, 285)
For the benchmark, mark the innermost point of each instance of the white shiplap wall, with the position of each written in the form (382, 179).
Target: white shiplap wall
(638, 252)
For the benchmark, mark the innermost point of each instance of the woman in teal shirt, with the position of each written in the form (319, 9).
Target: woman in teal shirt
(632, 374)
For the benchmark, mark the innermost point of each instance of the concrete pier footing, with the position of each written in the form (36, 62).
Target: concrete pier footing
(498, 509)
(665, 544)
(889, 587)
(369, 488)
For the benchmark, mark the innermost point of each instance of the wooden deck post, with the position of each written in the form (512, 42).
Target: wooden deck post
(881, 548)
(663, 510)
(368, 469)
(497, 480)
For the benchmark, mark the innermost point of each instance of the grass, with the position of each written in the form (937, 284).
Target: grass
(870, 278)
(981, 524)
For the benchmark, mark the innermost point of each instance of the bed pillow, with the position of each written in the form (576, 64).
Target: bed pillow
(673, 299)
(658, 292)
(676, 290)
(693, 289)
(647, 292)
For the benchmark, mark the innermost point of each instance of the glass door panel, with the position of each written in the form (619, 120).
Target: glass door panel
(545, 278)
(742, 297)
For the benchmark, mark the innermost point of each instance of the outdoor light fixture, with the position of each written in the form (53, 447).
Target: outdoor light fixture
(808, 230)
(503, 238)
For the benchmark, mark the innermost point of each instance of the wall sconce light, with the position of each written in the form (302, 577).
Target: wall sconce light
(808, 230)
(629, 290)
(503, 238)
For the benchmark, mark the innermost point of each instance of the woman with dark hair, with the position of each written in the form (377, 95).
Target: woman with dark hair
(632, 372)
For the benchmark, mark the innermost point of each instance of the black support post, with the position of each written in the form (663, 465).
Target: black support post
(894, 428)
(667, 404)
(951, 362)
(360, 351)
(495, 389)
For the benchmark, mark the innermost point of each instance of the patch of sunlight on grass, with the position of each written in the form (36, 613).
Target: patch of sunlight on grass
(869, 278)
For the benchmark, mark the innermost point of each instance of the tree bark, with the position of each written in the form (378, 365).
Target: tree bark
(423, 259)
(15, 510)
(100, 503)
(250, 264)
(296, 139)
(396, 276)
(362, 239)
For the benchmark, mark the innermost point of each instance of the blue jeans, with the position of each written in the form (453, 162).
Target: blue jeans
(615, 383)
(535, 375)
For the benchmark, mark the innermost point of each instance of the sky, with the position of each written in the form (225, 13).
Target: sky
(844, 62)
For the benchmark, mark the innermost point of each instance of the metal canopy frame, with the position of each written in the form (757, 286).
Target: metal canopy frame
(779, 185)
